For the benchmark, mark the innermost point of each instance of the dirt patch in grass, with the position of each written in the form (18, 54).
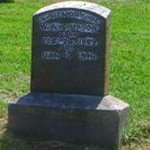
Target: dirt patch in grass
(143, 144)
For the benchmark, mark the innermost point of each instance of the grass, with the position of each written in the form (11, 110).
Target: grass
(129, 66)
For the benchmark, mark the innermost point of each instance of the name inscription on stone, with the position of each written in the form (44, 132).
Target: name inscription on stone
(69, 35)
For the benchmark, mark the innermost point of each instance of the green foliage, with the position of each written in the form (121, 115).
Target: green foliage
(129, 63)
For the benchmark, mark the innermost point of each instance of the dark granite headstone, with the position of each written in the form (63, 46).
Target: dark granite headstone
(70, 49)
(68, 102)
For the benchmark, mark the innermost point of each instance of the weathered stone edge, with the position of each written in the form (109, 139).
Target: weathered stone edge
(95, 8)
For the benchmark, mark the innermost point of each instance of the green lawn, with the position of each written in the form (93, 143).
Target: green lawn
(129, 66)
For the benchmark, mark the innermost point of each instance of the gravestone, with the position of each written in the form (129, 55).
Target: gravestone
(70, 49)
(69, 99)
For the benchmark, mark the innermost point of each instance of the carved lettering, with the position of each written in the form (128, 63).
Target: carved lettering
(74, 14)
(87, 56)
(88, 41)
(51, 55)
(73, 37)
(77, 27)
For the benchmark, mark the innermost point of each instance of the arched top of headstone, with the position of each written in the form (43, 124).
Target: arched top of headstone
(87, 6)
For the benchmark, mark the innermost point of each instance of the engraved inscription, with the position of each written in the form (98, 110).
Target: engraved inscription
(69, 34)
(88, 41)
(84, 56)
(50, 55)
(74, 14)
(56, 27)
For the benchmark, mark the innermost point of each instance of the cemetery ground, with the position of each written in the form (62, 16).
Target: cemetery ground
(129, 65)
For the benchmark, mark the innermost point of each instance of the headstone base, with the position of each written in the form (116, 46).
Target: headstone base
(73, 119)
